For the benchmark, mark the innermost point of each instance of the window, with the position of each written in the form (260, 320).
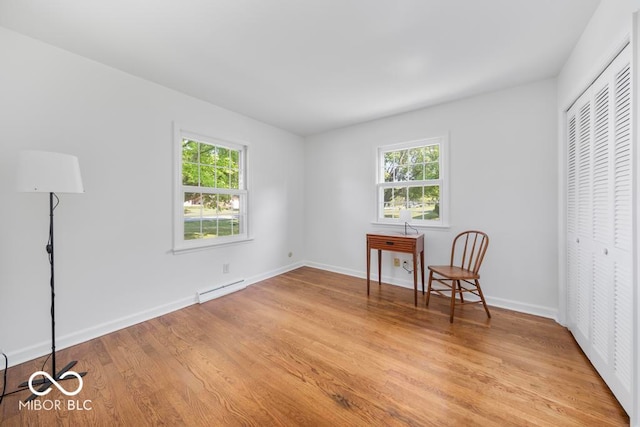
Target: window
(211, 196)
(411, 176)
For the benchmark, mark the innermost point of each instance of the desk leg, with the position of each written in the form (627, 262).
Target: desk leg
(422, 269)
(368, 267)
(415, 279)
(379, 267)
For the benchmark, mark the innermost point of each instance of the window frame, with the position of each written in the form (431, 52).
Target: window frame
(179, 242)
(443, 181)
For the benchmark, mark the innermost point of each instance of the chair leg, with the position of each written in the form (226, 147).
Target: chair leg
(460, 290)
(482, 298)
(429, 287)
(453, 300)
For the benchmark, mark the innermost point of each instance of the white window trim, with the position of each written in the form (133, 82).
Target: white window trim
(179, 244)
(443, 222)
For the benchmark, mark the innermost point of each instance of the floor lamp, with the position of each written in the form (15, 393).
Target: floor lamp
(46, 172)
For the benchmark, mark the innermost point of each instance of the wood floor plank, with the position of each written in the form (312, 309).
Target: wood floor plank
(309, 347)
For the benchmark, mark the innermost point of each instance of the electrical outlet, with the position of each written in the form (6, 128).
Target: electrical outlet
(396, 262)
(407, 266)
(225, 268)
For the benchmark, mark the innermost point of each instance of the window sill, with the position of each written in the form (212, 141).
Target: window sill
(179, 250)
(412, 224)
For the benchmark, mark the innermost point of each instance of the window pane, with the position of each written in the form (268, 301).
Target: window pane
(234, 179)
(395, 172)
(390, 165)
(403, 157)
(394, 200)
(415, 197)
(416, 155)
(189, 162)
(235, 213)
(392, 158)
(431, 153)
(417, 172)
(402, 174)
(425, 202)
(222, 176)
(432, 170)
(388, 174)
(387, 207)
(209, 228)
(192, 216)
(225, 215)
(210, 216)
(207, 176)
(209, 202)
(207, 154)
(189, 151)
(223, 156)
(190, 174)
(400, 196)
(432, 162)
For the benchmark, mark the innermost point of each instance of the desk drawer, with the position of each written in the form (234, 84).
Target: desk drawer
(391, 243)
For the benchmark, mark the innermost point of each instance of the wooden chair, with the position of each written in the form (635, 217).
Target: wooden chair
(461, 275)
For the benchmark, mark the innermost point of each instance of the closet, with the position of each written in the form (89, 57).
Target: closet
(599, 210)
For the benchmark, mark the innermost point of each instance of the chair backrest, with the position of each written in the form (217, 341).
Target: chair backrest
(468, 249)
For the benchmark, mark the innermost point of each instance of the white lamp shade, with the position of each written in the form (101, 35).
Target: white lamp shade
(405, 215)
(47, 172)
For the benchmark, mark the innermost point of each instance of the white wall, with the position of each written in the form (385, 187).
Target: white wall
(114, 264)
(503, 171)
(605, 35)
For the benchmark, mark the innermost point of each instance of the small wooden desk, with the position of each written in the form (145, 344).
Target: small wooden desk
(407, 243)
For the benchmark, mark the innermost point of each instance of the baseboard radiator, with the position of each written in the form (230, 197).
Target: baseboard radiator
(220, 290)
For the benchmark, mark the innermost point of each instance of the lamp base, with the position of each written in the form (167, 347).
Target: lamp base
(45, 383)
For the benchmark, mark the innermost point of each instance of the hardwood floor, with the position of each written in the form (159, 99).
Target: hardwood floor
(310, 348)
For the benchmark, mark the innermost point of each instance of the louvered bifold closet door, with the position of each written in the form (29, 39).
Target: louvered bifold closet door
(599, 226)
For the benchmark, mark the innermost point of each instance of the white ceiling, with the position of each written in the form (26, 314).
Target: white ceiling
(308, 66)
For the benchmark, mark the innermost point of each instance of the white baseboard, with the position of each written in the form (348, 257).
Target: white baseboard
(340, 270)
(40, 349)
(537, 310)
(521, 307)
(64, 341)
(264, 276)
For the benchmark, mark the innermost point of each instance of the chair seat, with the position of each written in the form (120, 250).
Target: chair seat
(452, 272)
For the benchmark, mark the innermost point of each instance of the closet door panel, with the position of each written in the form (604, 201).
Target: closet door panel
(623, 333)
(623, 231)
(601, 337)
(622, 160)
(600, 227)
(572, 206)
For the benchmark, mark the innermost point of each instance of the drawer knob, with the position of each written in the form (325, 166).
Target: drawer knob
(389, 243)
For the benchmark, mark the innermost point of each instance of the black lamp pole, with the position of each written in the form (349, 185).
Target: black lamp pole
(45, 383)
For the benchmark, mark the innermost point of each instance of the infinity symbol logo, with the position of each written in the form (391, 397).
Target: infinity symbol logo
(54, 382)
